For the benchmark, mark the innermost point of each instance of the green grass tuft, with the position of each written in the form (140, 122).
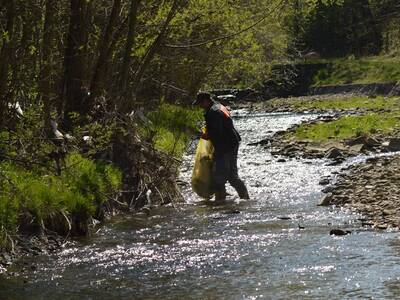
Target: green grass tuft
(78, 191)
(349, 127)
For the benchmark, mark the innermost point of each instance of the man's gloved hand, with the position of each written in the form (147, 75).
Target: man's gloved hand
(204, 136)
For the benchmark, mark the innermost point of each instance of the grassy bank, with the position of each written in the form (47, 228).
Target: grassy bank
(349, 127)
(333, 103)
(364, 70)
(379, 115)
(33, 200)
(348, 103)
(34, 197)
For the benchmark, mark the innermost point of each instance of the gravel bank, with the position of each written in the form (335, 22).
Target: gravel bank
(372, 188)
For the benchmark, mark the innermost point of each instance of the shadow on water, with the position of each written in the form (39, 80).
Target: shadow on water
(275, 246)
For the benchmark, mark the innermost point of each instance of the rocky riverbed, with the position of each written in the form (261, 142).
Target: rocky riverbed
(31, 245)
(372, 188)
(285, 145)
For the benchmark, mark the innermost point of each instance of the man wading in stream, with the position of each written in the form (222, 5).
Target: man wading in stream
(225, 139)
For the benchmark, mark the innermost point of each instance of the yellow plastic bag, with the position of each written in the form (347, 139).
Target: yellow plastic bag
(202, 170)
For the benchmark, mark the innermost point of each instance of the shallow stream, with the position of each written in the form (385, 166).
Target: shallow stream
(275, 246)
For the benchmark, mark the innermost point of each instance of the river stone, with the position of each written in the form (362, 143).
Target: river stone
(262, 142)
(381, 226)
(324, 181)
(342, 199)
(327, 200)
(333, 153)
(388, 212)
(336, 162)
(371, 160)
(328, 189)
(394, 144)
(365, 140)
(357, 148)
(339, 232)
(367, 223)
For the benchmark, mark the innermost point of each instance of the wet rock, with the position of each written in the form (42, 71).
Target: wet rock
(388, 212)
(328, 189)
(6, 259)
(333, 153)
(300, 226)
(366, 168)
(327, 200)
(335, 162)
(365, 140)
(381, 226)
(341, 199)
(357, 148)
(394, 144)
(261, 143)
(367, 223)
(232, 212)
(371, 160)
(339, 232)
(324, 181)
(290, 149)
(181, 183)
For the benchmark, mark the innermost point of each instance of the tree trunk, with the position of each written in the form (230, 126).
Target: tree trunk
(130, 41)
(5, 59)
(74, 62)
(153, 49)
(105, 43)
(374, 34)
(45, 74)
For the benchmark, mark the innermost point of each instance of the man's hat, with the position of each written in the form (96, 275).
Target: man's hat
(202, 96)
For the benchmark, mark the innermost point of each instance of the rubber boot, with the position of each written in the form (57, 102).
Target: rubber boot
(241, 189)
(220, 196)
(244, 194)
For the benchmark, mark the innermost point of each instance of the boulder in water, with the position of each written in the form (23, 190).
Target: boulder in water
(394, 144)
(334, 153)
(339, 232)
(327, 200)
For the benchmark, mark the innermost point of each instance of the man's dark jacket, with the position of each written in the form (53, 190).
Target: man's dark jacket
(220, 129)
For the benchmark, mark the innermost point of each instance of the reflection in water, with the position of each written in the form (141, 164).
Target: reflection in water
(275, 246)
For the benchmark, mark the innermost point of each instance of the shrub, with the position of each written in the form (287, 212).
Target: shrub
(171, 127)
(94, 180)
